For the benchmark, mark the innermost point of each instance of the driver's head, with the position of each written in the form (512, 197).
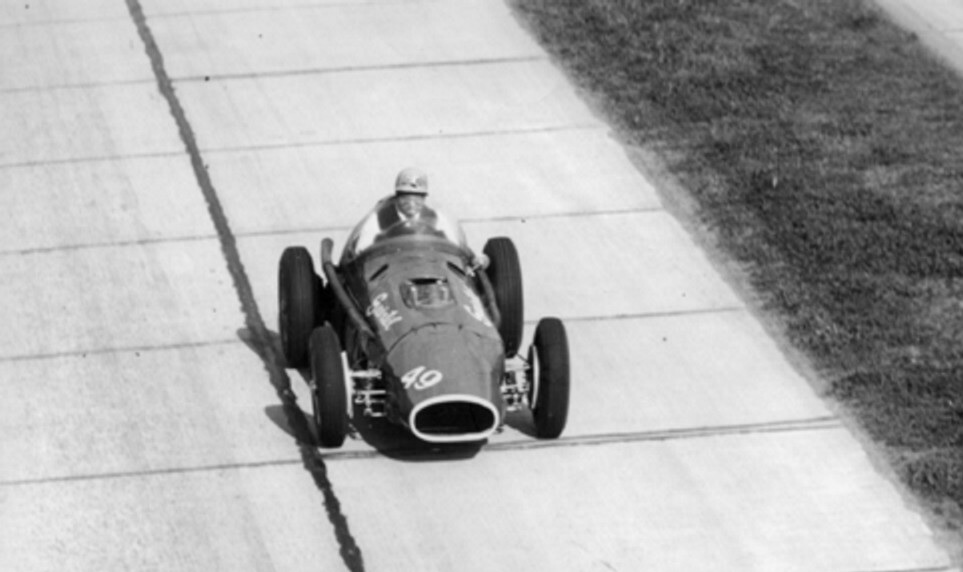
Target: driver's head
(411, 188)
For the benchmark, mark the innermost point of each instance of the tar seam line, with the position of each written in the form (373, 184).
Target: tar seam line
(787, 426)
(261, 339)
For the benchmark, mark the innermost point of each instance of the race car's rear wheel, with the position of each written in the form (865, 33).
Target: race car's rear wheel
(297, 296)
(549, 378)
(505, 273)
(329, 398)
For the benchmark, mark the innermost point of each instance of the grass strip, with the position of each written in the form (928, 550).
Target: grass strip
(821, 145)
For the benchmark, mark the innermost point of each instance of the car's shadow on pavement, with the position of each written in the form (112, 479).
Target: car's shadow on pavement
(522, 422)
(278, 416)
(396, 442)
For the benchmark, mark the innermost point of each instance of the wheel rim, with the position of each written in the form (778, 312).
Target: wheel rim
(348, 386)
(534, 376)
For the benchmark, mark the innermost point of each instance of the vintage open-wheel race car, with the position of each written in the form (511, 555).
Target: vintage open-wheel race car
(409, 330)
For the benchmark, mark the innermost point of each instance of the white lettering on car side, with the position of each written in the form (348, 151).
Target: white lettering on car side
(380, 310)
(421, 378)
(475, 308)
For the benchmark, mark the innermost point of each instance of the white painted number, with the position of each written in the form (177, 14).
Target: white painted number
(420, 378)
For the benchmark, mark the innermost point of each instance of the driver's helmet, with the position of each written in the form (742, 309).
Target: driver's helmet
(411, 181)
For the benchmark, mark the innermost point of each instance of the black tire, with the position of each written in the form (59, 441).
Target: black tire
(549, 378)
(505, 273)
(330, 397)
(297, 311)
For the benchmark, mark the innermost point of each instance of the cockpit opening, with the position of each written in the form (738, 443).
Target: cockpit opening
(428, 293)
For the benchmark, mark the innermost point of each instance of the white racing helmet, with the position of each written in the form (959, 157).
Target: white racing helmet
(412, 181)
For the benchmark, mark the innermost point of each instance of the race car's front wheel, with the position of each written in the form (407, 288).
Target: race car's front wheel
(330, 397)
(297, 296)
(549, 378)
(505, 273)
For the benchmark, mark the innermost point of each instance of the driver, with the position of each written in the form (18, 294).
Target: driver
(406, 212)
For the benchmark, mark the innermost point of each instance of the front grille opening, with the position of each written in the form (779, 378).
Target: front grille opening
(454, 418)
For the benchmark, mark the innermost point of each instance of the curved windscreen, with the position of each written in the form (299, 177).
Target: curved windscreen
(379, 227)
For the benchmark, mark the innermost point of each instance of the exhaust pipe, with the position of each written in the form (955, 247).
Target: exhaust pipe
(453, 419)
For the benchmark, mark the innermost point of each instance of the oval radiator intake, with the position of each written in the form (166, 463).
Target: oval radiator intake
(453, 419)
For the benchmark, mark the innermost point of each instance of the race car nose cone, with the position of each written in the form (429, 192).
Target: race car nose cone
(447, 383)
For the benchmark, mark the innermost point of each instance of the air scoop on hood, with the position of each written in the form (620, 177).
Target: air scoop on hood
(453, 418)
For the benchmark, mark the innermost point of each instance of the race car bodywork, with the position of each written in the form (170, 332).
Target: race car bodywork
(408, 330)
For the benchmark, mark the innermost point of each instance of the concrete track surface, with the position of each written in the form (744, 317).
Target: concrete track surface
(156, 158)
(938, 24)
